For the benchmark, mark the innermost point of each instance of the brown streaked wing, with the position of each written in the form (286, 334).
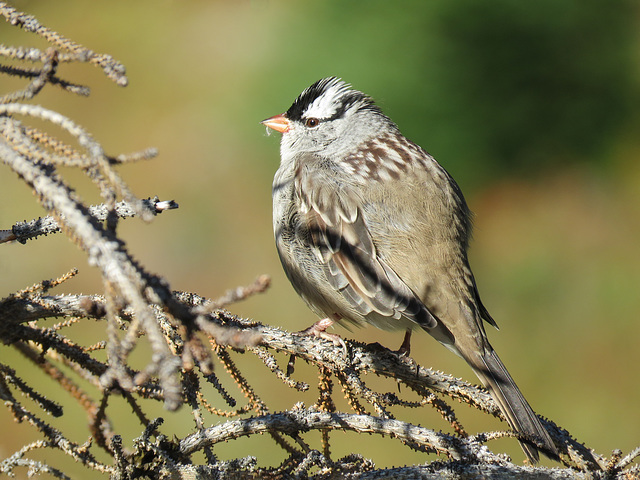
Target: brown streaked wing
(344, 245)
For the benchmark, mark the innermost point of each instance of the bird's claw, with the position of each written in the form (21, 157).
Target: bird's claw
(318, 330)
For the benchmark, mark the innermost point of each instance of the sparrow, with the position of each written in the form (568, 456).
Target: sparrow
(370, 229)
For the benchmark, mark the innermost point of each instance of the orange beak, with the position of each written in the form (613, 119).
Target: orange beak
(279, 123)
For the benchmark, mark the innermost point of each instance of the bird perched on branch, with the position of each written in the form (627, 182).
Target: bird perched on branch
(370, 229)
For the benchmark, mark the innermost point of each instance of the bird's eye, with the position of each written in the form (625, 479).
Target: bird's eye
(312, 122)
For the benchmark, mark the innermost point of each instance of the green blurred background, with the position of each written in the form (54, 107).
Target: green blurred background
(532, 106)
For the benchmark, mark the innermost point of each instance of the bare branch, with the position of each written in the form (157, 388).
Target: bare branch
(294, 422)
(23, 231)
(112, 68)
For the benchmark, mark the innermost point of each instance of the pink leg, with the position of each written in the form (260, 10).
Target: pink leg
(319, 328)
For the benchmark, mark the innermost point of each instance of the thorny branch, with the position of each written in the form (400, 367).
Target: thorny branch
(363, 359)
(186, 333)
(70, 51)
(296, 421)
(23, 231)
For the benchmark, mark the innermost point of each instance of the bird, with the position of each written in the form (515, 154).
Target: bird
(371, 229)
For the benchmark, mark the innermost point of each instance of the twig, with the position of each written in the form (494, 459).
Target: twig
(238, 294)
(113, 69)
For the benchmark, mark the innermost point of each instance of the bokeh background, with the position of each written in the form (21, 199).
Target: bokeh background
(532, 106)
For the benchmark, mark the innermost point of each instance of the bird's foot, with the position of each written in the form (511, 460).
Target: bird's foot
(405, 348)
(319, 328)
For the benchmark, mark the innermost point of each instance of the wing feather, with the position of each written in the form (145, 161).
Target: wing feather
(339, 234)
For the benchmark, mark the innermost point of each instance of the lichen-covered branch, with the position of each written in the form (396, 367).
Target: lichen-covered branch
(23, 231)
(299, 421)
(74, 51)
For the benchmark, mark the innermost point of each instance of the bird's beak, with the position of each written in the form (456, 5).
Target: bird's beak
(279, 123)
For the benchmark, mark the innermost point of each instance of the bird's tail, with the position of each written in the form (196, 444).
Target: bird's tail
(521, 417)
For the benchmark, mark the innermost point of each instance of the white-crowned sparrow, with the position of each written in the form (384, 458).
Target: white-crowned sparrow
(371, 229)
